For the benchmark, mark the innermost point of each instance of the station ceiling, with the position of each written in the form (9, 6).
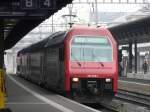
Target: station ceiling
(21, 16)
(135, 31)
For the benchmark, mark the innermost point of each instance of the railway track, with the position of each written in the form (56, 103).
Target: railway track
(134, 98)
(101, 107)
(124, 97)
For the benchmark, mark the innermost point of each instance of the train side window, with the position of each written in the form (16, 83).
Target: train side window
(61, 54)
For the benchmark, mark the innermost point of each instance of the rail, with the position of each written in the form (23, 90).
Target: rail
(124, 99)
(133, 97)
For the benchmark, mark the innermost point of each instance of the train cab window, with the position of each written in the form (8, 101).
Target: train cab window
(61, 54)
(91, 48)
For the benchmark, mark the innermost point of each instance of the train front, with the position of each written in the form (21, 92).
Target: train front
(92, 65)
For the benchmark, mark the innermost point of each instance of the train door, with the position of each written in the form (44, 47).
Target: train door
(52, 68)
(61, 73)
(23, 66)
(42, 76)
(20, 65)
(44, 68)
(28, 66)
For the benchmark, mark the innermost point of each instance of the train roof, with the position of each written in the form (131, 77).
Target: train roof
(53, 39)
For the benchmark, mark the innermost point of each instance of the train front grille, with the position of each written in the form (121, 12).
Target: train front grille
(93, 85)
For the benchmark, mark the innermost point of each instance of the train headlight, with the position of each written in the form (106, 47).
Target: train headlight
(107, 80)
(75, 79)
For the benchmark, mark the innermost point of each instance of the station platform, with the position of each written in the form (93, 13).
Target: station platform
(139, 75)
(23, 96)
(133, 84)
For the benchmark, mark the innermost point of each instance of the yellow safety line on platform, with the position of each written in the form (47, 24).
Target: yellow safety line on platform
(2, 89)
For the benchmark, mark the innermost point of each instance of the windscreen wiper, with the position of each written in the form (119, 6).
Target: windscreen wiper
(76, 60)
(101, 63)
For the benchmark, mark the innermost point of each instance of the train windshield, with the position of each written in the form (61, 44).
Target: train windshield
(91, 48)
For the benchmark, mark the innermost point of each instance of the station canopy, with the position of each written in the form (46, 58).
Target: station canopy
(135, 31)
(21, 16)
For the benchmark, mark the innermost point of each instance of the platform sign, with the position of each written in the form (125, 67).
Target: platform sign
(29, 4)
(46, 4)
(37, 4)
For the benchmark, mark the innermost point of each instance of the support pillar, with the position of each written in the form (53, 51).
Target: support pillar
(135, 59)
(1, 44)
(1, 64)
(130, 57)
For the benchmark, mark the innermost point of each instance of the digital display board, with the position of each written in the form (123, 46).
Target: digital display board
(46, 4)
(37, 4)
(29, 4)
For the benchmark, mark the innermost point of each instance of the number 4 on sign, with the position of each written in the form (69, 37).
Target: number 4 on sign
(47, 3)
(29, 3)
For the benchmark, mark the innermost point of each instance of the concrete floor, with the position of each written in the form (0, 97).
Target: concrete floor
(134, 85)
(23, 96)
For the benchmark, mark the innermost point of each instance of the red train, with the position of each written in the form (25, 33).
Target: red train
(82, 62)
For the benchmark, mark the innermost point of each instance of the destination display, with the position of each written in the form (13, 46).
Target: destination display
(86, 39)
